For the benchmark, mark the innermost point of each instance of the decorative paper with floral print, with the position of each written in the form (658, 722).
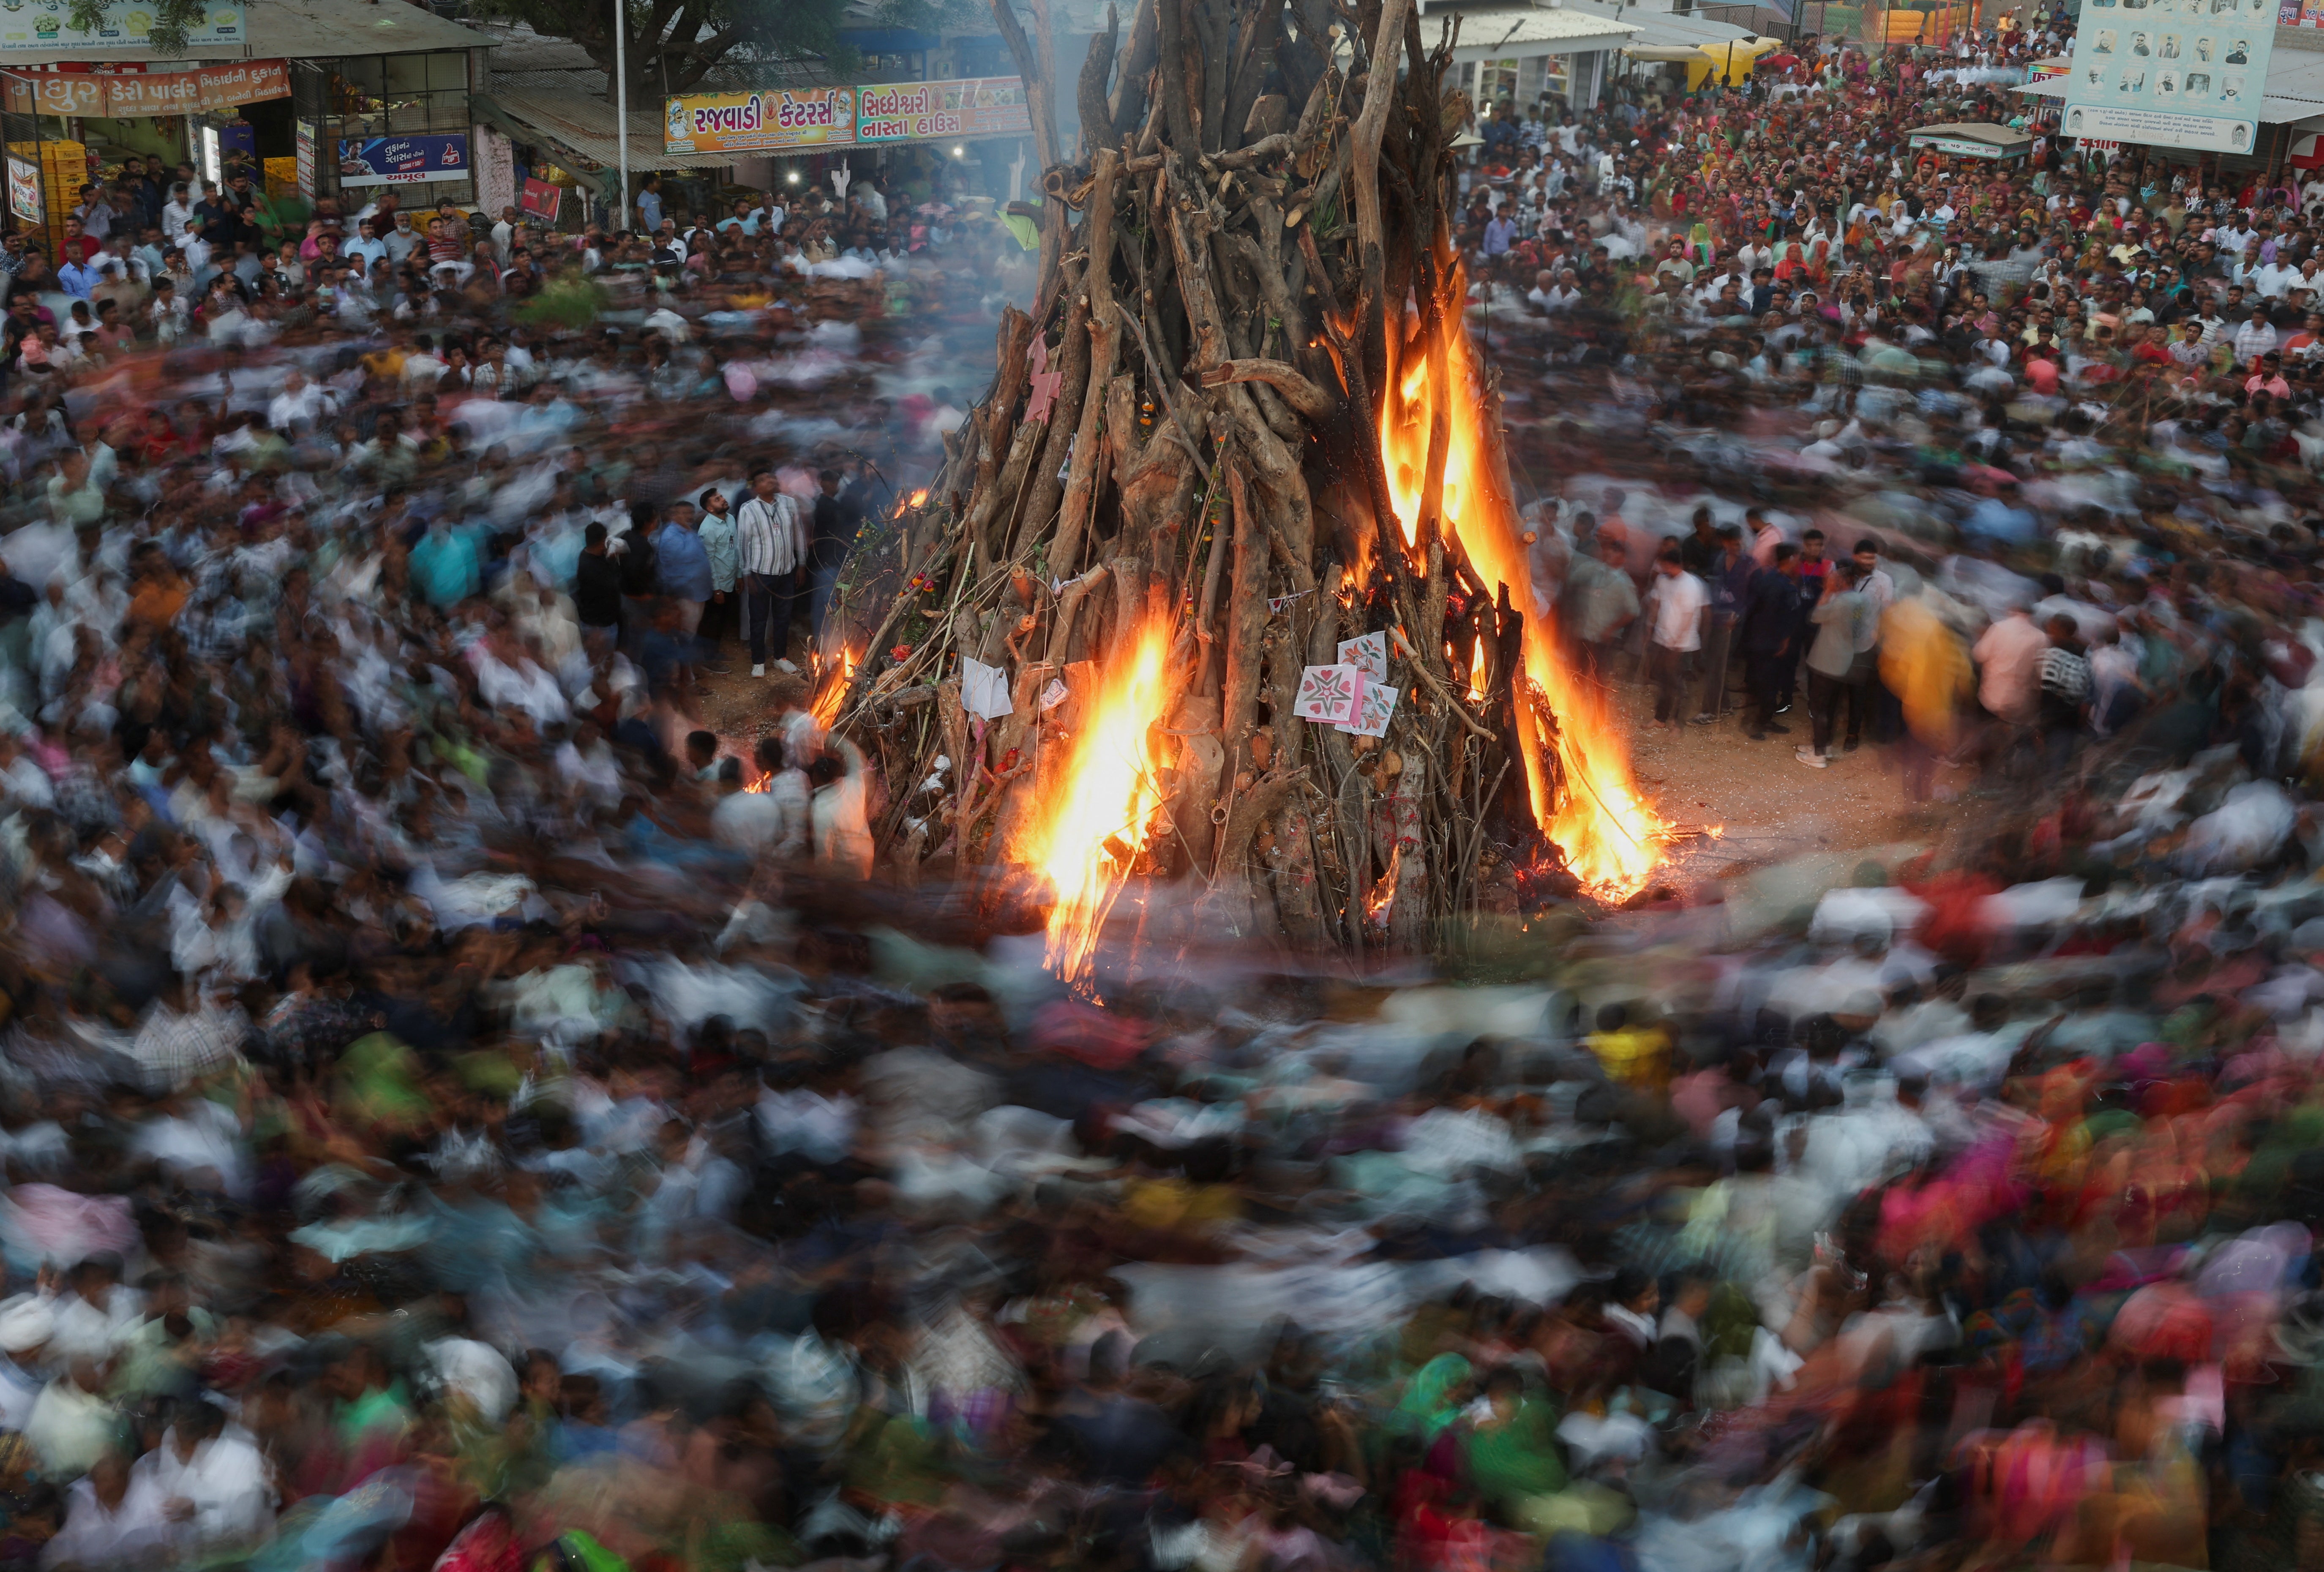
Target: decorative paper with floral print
(1368, 655)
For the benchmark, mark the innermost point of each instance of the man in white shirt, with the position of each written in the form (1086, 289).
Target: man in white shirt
(97, 1314)
(1675, 608)
(2254, 338)
(110, 1523)
(215, 1488)
(300, 400)
(774, 818)
(422, 368)
(2272, 279)
(770, 548)
(177, 215)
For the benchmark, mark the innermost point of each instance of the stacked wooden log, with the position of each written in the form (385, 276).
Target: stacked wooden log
(1252, 232)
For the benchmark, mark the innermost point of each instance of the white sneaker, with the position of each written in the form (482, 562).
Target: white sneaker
(758, 670)
(1811, 757)
(790, 666)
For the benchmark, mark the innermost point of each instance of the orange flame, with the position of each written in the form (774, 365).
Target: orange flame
(1106, 812)
(831, 689)
(1608, 832)
(1382, 895)
(906, 504)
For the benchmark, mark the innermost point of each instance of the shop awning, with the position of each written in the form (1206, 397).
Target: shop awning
(580, 126)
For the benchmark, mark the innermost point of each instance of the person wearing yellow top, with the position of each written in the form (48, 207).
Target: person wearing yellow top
(1924, 663)
(1635, 1056)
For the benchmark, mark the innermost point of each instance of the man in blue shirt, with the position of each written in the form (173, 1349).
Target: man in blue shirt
(76, 279)
(368, 245)
(444, 565)
(649, 206)
(682, 571)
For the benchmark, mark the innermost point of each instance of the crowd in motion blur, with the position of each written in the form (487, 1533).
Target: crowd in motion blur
(460, 1111)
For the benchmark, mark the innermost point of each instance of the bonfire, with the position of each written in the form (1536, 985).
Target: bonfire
(1223, 587)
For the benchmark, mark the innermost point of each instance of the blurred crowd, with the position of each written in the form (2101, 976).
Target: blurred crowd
(460, 1109)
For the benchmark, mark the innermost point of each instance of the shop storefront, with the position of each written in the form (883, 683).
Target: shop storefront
(351, 96)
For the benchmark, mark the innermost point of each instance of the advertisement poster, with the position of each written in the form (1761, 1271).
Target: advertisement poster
(540, 200)
(305, 148)
(892, 112)
(2174, 73)
(126, 95)
(24, 188)
(402, 160)
(47, 25)
(775, 118)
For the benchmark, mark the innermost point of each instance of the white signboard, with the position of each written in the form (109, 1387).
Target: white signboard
(2171, 73)
(125, 24)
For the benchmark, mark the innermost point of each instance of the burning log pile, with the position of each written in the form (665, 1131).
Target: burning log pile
(1238, 468)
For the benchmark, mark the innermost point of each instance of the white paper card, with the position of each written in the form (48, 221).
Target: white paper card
(984, 690)
(1368, 655)
(1329, 693)
(1379, 704)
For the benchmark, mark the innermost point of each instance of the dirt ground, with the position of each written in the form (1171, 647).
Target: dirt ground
(742, 708)
(1770, 807)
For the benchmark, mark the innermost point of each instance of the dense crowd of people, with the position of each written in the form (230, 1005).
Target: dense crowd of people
(459, 1110)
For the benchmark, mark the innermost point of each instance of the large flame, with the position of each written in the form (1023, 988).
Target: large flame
(831, 688)
(1106, 809)
(1610, 834)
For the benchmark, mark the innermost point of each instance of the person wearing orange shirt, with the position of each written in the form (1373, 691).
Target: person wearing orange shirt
(160, 592)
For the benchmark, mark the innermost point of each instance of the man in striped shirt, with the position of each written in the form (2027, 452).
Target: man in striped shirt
(770, 545)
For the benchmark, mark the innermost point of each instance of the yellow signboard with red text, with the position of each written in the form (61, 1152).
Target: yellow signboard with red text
(767, 120)
(879, 113)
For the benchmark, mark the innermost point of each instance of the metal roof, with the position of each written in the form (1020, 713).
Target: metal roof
(296, 30)
(317, 30)
(567, 110)
(1663, 27)
(1982, 131)
(1494, 34)
(2295, 86)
